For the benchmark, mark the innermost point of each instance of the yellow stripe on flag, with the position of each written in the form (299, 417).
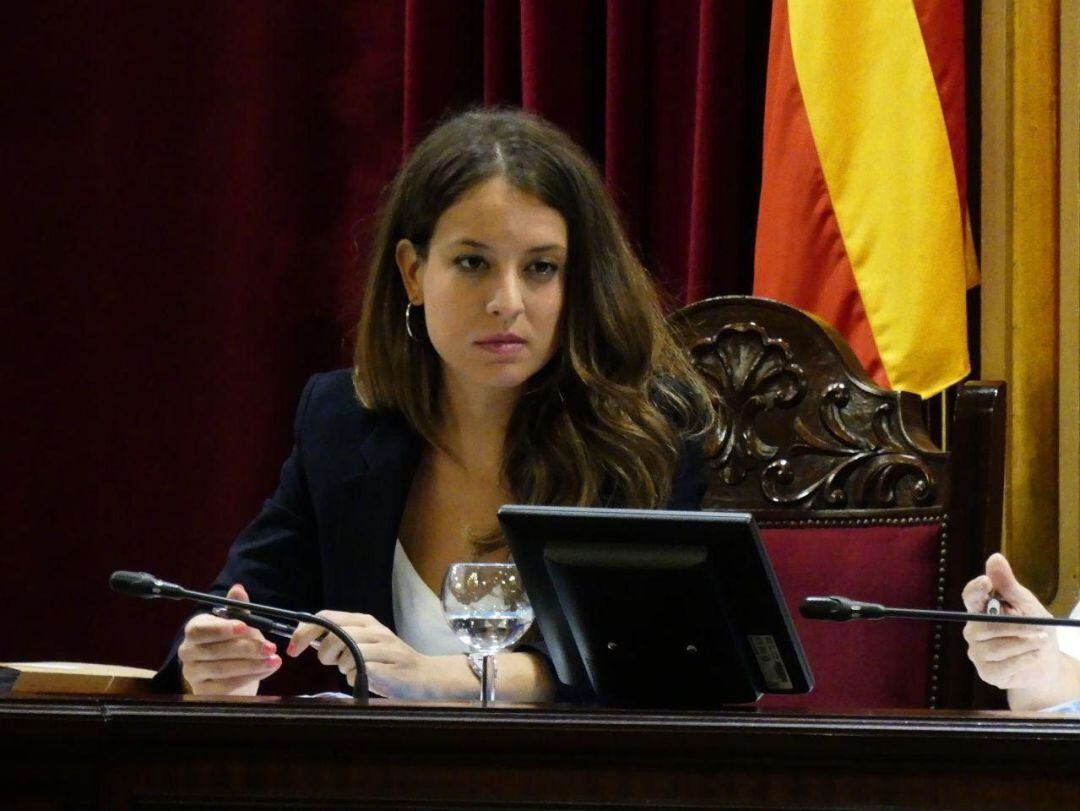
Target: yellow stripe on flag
(880, 133)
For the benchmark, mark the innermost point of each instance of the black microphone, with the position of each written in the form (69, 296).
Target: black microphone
(839, 609)
(842, 609)
(144, 585)
(149, 587)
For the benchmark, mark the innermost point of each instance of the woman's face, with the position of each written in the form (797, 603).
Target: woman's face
(491, 285)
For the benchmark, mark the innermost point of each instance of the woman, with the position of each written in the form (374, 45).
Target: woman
(1039, 666)
(510, 349)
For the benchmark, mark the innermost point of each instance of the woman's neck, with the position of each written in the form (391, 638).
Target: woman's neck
(473, 426)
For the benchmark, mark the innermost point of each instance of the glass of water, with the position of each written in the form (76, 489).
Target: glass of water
(488, 609)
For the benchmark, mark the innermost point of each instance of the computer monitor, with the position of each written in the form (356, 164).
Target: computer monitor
(656, 608)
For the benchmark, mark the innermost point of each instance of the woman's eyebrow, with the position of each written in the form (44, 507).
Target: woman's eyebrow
(475, 243)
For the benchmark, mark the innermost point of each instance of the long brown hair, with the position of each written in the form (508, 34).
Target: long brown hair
(604, 422)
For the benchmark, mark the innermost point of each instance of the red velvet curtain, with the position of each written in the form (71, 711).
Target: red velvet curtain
(188, 188)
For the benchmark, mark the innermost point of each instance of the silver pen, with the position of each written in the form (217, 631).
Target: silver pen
(279, 629)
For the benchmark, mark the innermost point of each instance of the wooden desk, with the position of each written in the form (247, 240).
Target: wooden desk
(108, 753)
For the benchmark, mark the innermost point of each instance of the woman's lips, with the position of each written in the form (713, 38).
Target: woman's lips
(501, 344)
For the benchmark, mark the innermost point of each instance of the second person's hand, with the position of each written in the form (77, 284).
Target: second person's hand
(1006, 655)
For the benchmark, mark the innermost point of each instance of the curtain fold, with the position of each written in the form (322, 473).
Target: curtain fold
(667, 97)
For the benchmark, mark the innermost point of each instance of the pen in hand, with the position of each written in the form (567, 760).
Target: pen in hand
(264, 624)
(993, 606)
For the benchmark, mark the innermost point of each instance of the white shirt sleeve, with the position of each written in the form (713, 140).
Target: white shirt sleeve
(1069, 638)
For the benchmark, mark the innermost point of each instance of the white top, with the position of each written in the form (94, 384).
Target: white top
(418, 611)
(1069, 638)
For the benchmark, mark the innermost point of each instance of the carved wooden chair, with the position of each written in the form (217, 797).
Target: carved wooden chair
(851, 495)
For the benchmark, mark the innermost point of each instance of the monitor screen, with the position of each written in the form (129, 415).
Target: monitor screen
(656, 608)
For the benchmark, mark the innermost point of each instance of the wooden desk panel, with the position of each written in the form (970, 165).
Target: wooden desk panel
(266, 753)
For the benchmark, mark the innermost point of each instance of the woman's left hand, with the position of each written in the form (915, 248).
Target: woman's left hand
(394, 669)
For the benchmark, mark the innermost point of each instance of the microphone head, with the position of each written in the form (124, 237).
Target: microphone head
(139, 584)
(840, 609)
(825, 608)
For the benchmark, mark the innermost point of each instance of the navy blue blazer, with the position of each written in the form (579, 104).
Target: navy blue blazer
(326, 539)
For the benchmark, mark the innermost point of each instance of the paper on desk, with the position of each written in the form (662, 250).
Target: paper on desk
(1069, 706)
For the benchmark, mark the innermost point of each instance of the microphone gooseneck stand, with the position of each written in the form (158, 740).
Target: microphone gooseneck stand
(843, 609)
(148, 587)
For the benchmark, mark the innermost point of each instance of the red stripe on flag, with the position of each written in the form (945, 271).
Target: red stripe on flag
(799, 256)
(942, 25)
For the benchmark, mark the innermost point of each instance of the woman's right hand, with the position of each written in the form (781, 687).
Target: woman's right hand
(224, 656)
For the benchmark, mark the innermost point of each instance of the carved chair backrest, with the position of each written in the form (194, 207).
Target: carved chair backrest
(852, 495)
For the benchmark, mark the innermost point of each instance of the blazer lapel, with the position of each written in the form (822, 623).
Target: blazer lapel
(373, 492)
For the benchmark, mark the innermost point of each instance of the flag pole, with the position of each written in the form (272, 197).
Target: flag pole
(944, 419)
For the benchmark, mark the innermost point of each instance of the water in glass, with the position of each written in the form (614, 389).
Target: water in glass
(486, 606)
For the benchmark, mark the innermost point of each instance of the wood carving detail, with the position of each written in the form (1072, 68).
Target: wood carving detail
(837, 454)
(750, 374)
(858, 471)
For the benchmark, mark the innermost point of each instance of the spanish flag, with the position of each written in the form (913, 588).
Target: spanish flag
(863, 217)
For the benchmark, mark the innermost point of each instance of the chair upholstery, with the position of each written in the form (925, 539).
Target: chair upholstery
(851, 494)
